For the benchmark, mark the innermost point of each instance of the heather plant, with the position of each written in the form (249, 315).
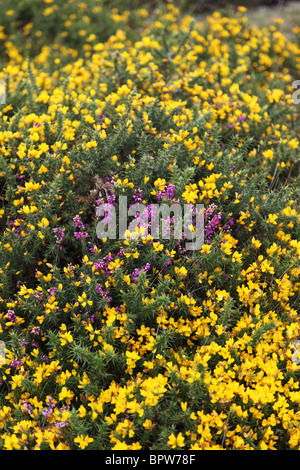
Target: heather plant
(137, 342)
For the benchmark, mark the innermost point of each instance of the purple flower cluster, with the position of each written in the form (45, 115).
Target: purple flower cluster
(103, 292)
(111, 199)
(59, 235)
(136, 273)
(11, 316)
(228, 225)
(16, 363)
(138, 195)
(101, 116)
(168, 193)
(49, 410)
(167, 263)
(78, 224)
(91, 319)
(213, 224)
(60, 424)
(17, 229)
(27, 407)
(103, 263)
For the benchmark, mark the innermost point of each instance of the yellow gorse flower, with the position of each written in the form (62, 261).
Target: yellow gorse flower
(83, 441)
(110, 340)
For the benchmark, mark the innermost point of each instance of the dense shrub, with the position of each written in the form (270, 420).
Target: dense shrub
(140, 343)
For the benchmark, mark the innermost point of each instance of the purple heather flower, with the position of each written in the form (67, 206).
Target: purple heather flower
(111, 199)
(27, 407)
(11, 315)
(138, 195)
(59, 235)
(60, 424)
(101, 116)
(228, 225)
(103, 292)
(99, 265)
(135, 274)
(80, 225)
(167, 193)
(79, 235)
(78, 222)
(49, 410)
(17, 363)
(147, 267)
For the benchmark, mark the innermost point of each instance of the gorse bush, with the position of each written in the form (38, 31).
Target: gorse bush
(140, 343)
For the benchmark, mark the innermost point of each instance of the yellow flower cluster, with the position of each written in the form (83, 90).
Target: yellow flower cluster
(135, 343)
